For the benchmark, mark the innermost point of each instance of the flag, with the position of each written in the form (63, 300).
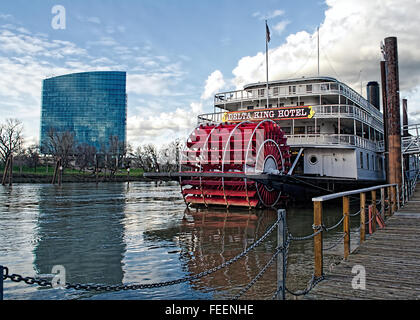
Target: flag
(267, 30)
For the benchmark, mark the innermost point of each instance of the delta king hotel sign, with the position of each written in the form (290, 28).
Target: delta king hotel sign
(287, 113)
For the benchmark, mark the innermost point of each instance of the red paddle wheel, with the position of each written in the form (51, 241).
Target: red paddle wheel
(247, 147)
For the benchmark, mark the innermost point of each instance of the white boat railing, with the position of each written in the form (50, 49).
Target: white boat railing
(333, 140)
(291, 89)
(321, 111)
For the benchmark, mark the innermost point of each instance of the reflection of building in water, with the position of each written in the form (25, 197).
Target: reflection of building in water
(209, 238)
(86, 239)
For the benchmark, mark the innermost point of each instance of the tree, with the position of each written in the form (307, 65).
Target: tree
(11, 138)
(169, 156)
(61, 145)
(32, 156)
(146, 157)
(85, 156)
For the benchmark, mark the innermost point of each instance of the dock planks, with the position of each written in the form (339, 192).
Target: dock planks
(391, 258)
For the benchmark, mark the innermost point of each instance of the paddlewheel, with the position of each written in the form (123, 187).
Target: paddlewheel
(244, 148)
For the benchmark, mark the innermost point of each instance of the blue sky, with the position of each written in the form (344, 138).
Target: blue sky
(178, 53)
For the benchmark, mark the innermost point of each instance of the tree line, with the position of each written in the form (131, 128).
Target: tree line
(63, 145)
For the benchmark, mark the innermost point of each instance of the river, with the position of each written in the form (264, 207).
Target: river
(116, 233)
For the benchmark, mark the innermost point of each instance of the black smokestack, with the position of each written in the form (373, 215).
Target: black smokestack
(373, 94)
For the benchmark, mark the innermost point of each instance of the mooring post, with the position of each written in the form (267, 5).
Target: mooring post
(6, 170)
(388, 211)
(346, 226)
(362, 217)
(11, 170)
(281, 258)
(383, 203)
(1, 283)
(318, 259)
(373, 211)
(393, 196)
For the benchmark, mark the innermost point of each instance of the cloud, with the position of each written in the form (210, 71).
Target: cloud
(350, 38)
(214, 83)
(269, 15)
(94, 20)
(281, 26)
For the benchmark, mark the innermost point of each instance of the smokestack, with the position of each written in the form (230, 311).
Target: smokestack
(405, 118)
(373, 94)
(385, 115)
(393, 119)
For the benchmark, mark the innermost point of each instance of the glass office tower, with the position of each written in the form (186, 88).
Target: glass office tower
(91, 105)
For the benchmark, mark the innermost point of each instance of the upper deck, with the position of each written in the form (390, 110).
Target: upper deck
(342, 117)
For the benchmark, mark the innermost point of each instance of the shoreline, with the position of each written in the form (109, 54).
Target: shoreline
(72, 178)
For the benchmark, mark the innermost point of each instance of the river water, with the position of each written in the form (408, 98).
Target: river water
(116, 233)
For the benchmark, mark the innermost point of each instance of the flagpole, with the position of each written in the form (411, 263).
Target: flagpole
(266, 55)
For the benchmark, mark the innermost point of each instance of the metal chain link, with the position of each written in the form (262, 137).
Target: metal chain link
(335, 226)
(312, 283)
(336, 243)
(100, 287)
(263, 270)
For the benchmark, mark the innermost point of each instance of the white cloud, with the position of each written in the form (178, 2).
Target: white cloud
(94, 20)
(269, 15)
(350, 38)
(281, 26)
(214, 83)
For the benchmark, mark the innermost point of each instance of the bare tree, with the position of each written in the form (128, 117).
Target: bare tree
(11, 138)
(169, 156)
(32, 156)
(146, 157)
(85, 156)
(61, 145)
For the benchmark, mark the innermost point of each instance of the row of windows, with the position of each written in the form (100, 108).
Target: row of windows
(370, 161)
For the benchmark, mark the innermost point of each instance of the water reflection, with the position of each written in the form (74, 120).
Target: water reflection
(111, 234)
(208, 238)
(82, 229)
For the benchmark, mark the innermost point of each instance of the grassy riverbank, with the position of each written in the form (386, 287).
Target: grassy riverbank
(45, 175)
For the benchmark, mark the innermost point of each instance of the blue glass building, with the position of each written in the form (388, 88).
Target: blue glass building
(91, 105)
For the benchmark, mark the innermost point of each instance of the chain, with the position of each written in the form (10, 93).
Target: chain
(355, 214)
(335, 226)
(336, 243)
(315, 227)
(99, 287)
(263, 270)
(312, 283)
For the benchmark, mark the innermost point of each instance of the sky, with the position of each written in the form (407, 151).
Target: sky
(179, 53)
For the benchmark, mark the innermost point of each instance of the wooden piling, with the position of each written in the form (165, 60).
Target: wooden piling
(346, 226)
(6, 170)
(373, 210)
(362, 217)
(318, 259)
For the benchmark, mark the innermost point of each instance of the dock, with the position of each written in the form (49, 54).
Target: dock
(390, 258)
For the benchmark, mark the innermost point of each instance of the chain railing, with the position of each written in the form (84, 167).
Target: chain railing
(390, 200)
(281, 249)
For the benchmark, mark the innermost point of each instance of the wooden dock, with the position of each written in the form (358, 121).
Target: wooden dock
(391, 258)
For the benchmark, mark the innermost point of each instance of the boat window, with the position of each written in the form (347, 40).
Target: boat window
(286, 130)
(299, 130)
(313, 160)
(250, 107)
(361, 159)
(292, 89)
(309, 88)
(311, 129)
(367, 161)
(261, 92)
(275, 91)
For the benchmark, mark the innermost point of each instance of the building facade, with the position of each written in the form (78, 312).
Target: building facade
(90, 105)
